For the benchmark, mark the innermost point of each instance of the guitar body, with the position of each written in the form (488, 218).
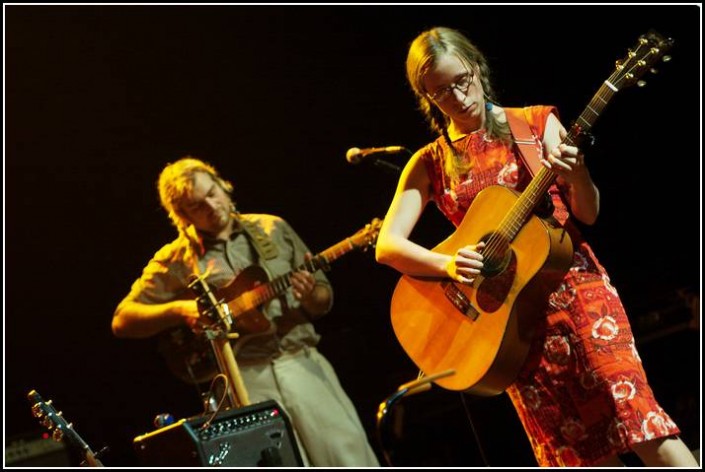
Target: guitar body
(482, 331)
(189, 356)
(246, 319)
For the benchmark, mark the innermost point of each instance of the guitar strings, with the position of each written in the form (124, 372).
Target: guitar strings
(511, 223)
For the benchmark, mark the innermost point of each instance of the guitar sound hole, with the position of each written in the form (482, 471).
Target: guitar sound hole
(497, 254)
(492, 292)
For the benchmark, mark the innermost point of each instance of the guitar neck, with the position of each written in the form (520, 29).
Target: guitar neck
(532, 196)
(91, 459)
(648, 50)
(266, 292)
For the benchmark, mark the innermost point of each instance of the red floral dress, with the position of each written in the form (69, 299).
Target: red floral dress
(582, 394)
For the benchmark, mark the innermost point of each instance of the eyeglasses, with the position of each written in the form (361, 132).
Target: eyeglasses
(462, 85)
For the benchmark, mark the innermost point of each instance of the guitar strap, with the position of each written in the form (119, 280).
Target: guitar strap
(262, 243)
(527, 142)
(530, 150)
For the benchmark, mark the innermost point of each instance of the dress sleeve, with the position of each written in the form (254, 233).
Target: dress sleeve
(432, 157)
(537, 115)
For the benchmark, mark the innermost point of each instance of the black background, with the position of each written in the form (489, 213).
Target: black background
(100, 98)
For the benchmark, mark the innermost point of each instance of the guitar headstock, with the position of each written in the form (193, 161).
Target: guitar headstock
(367, 236)
(48, 416)
(59, 427)
(213, 312)
(650, 48)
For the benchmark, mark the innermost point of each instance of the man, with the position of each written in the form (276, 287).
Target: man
(280, 363)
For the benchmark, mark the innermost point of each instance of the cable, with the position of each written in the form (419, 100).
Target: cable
(223, 395)
(474, 431)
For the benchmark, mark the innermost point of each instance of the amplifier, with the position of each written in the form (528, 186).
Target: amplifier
(258, 435)
(34, 451)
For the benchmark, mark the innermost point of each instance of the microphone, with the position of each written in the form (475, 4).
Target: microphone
(357, 155)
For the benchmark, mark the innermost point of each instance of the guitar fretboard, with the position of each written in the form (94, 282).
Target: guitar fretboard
(649, 49)
(266, 292)
(539, 185)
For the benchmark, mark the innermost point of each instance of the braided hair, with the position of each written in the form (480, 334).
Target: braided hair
(423, 55)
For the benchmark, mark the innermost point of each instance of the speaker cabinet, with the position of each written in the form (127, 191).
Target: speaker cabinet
(257, 435)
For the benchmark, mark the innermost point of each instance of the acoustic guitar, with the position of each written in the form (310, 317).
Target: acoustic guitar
(189, 356)
(61, 429)
(483, 331)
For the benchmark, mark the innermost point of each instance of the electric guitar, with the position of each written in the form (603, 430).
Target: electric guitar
(60, 428)
(483, 331)
(190, 357)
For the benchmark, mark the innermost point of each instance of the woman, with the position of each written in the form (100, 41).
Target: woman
(582, 394)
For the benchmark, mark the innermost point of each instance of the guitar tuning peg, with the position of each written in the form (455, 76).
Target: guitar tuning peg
(47, 422)
(666, 58)
(641, 83)
(654, 71)
(37, 411)
(57, 435)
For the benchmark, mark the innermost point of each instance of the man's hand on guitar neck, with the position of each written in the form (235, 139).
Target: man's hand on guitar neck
(315, 298)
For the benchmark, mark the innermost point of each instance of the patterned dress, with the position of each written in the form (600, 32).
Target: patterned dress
(582, 394)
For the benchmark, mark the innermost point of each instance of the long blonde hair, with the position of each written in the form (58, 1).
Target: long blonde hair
(424, 53)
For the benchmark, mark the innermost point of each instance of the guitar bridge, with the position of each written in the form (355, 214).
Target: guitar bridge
(459, 300)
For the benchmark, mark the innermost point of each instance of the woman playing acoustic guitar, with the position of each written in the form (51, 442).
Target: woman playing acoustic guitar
(580, 389)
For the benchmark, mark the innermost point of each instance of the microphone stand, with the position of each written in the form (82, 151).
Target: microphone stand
(220, 336)
(356, 155)
(382, 164)
(410, 388)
